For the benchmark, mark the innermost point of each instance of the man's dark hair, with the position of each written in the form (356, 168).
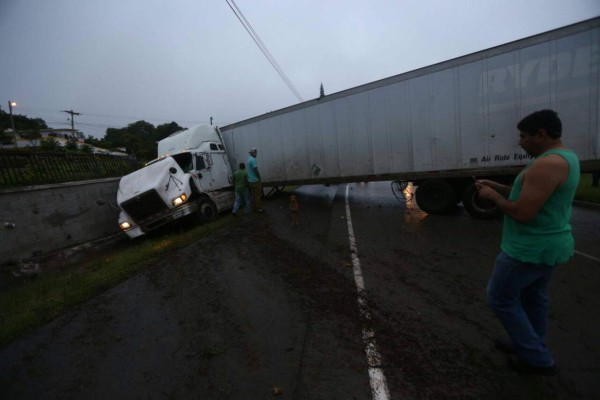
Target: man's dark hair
(242, 165)
(543, 119)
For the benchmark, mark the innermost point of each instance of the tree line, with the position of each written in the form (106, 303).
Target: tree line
(138, 138)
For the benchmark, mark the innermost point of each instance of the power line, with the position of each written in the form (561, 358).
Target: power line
(246, 24)
(97, 115)
(109, 116)
(265, 50)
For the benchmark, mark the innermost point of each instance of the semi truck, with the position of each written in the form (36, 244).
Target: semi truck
(191, 176)
(436, 127)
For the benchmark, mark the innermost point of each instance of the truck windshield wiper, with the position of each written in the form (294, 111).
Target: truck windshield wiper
(173, 178)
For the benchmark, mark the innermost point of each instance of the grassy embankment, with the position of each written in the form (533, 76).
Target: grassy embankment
(27, 304)
(585, 191)
(31, 303)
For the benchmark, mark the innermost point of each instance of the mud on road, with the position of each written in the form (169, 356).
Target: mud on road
(257, 311)
(231, 316)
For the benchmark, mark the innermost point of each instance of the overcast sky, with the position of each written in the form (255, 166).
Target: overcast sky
(119, 61)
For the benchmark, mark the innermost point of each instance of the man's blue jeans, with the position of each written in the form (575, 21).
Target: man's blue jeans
(242, 199)
(517, 294)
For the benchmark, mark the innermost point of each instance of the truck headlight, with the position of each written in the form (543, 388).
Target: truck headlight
(124, 225)
(177, 201)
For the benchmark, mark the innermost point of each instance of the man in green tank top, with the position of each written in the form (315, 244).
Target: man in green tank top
(536, 236)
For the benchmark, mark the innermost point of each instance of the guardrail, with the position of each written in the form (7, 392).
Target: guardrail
(38, 168)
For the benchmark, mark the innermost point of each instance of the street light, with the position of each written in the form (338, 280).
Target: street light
(12, 104)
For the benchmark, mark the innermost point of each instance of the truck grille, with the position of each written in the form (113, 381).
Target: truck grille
(144, 205)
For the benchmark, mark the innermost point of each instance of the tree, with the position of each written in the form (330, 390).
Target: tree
(22, 122)
(92, 141)
(321, 91)
(145, 144)
(86, 149)
(164, 130)
(139, 138)
(50, 144)
(133, 145)
(71, 145)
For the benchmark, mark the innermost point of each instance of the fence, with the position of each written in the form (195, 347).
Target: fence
(37, 168)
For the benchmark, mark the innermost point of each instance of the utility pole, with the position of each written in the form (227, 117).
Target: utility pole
(72, 122)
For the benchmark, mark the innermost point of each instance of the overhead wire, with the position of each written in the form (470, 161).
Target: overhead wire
(267, 53)
(257, 40)
(246, 24)
(88, 114)
(49, 116)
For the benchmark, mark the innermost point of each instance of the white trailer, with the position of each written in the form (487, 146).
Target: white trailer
(437, 126)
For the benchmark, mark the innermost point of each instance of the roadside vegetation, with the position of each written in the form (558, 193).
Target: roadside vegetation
(138, 138)
(585, 191)
(32, 302)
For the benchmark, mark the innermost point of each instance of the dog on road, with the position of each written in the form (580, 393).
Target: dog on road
(294, 210)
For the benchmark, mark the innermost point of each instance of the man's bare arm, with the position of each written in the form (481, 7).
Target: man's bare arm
(539, 182)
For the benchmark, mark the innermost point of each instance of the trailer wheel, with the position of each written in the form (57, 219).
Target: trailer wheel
(479, 208)
(436, 196)
(398, 188)
(207, 211)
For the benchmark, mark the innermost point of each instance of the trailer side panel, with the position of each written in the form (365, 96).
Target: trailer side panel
(459, 115)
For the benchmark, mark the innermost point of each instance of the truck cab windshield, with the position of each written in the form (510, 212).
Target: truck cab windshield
(185, 161)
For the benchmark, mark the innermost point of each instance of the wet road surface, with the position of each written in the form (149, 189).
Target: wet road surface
(263, 309)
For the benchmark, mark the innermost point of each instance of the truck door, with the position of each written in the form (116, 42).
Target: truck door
(221, 171)
(203, 176)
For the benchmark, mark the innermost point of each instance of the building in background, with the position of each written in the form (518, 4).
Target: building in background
(61, 136)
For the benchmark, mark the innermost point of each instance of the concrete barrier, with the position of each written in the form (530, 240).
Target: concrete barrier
(37, 220)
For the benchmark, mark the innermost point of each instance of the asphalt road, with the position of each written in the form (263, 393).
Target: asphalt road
(263, 309)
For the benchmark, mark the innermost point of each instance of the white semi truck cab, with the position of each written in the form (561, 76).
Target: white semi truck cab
(191, 175)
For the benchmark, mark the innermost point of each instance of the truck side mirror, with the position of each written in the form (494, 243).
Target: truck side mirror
(172, 170)
(200, 164)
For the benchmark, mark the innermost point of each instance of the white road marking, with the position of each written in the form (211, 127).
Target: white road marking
(379, 387)
(587, 256)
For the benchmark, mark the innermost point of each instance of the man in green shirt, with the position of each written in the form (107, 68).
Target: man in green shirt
(242, 191)
(536, 236)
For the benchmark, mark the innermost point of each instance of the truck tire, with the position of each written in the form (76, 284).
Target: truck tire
(207, 211)
(436, 196)
(479, 208)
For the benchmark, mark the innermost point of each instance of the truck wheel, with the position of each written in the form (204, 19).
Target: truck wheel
(436, 196)
(207, 211)
(479, 208)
